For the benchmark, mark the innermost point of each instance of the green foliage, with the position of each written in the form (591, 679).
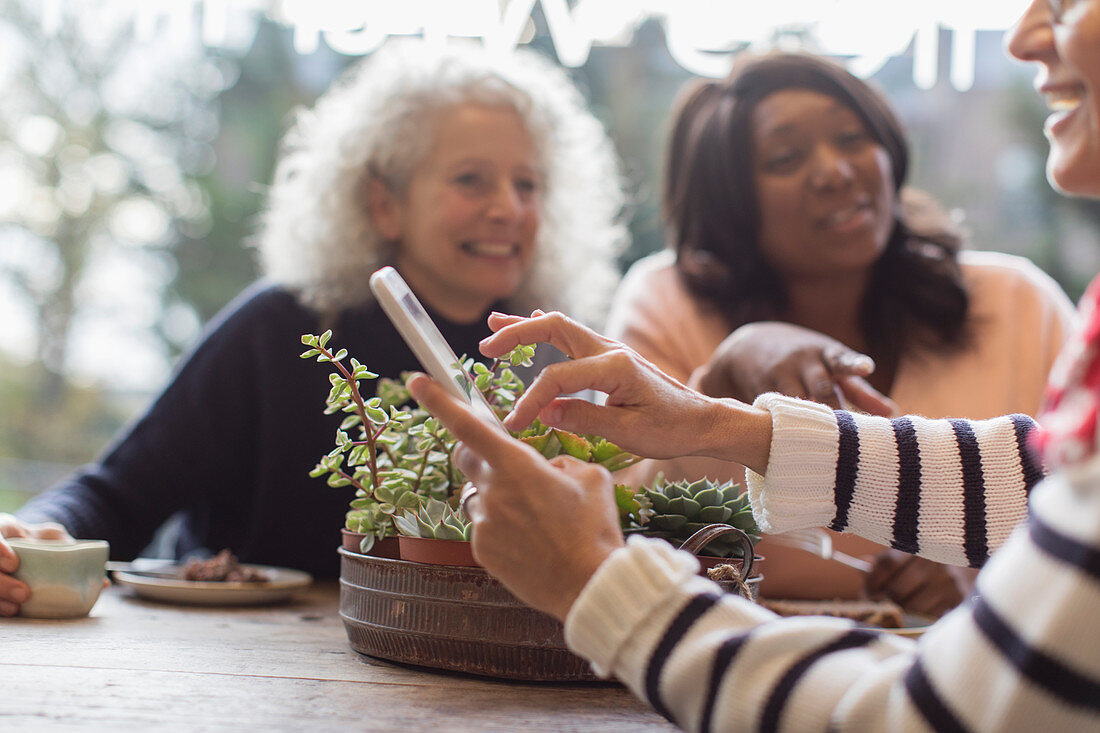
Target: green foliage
(678, 509)
(399, 459)
(634, 506)
(433, 519)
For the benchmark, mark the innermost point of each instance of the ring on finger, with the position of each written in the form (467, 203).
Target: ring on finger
(469, 491)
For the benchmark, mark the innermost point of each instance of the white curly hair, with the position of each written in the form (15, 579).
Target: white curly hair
(316, 236)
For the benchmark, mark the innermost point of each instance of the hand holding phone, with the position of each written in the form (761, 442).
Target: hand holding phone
(427, 343)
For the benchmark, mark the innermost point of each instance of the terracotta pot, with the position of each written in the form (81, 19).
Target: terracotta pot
(386, 547)
(450, 617)
(437, 552)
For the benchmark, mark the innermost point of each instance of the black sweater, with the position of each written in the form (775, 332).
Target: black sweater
(232, 439)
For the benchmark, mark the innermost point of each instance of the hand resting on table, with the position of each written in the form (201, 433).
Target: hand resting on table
(14, 592)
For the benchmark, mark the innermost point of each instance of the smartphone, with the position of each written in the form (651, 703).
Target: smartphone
(427, 343)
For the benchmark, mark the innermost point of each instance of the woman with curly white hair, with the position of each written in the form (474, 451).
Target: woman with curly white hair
(481, 177)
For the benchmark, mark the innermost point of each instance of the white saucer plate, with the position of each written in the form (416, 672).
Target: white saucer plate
(282, 586)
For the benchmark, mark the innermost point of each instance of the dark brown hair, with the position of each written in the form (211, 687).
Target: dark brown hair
(916, 296)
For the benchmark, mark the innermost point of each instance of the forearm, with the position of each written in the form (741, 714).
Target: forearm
(949, 490)
(713, 661)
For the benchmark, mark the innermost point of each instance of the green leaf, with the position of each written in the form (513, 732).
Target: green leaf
(322, 341)
(309, 339)
(336, 481)
(377, 416)
(674, 490)
(626, 501)
(573, 444)
(659, 501)
(669, 522)
(366, 543)
(604, 449)
(714, 514)
(407, 525)
(447, 532)
(359, 455)
(425, 529)
(745, 521)
(433, 510)
(709, 497)
(684, 506)
(547, 444)
(309, 354)
(408, 500)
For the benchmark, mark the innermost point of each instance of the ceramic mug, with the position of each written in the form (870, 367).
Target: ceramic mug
(65, 576)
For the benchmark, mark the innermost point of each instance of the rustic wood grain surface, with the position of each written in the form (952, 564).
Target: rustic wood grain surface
(136, 665)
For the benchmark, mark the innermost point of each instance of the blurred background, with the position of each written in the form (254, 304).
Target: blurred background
(137, 138)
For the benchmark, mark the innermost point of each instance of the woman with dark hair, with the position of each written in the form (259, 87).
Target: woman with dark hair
(800, 263)
(1024, 655)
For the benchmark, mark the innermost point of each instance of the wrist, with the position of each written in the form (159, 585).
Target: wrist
(584, 568)
(736, 432)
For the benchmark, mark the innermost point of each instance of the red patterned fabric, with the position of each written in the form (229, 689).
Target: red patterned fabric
(1068, 433)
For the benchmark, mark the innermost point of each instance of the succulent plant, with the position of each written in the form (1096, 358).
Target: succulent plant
(681, 508)
(634, 507)
(433, 519)
(399, 459)
(551, 442)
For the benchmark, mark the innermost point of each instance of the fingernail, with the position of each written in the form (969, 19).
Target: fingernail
(496, 313)
(19, 595)
(862, 362)
(8, 565)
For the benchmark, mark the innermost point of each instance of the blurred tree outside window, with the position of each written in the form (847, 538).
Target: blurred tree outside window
(133, 162)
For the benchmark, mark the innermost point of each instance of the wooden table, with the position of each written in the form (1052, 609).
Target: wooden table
(136, 665)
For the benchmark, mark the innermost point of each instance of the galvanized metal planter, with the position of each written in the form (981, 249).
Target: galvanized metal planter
(455, 618)
(450, 617)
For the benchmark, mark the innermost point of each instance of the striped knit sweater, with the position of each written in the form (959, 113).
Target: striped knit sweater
(1023, 655)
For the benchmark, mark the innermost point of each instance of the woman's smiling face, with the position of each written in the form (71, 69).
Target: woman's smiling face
(466, 224)
(824, 187)
(1066, 47)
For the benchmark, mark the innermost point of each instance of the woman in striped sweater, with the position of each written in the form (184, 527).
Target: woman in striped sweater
(1022, 655)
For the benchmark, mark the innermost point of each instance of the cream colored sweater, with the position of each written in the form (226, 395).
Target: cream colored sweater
(1023, 656)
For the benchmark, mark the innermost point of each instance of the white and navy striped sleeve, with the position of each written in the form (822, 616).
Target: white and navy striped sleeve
(1023, 656)
(949, 490)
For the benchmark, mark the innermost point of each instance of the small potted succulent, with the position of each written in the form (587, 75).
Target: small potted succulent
(712, 519)
(680, 509)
